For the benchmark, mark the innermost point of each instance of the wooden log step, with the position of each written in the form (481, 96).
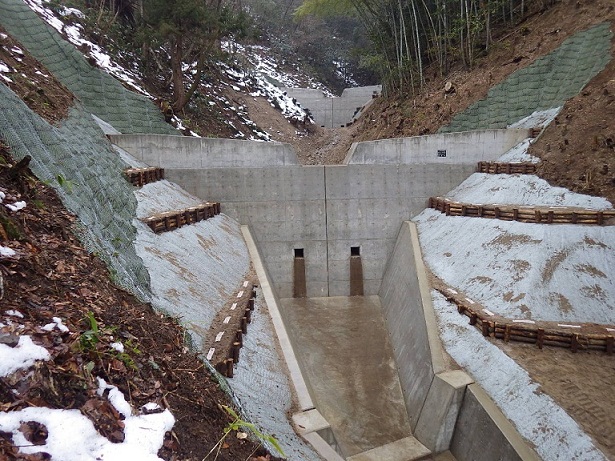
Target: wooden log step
(225, 337)
(506, 168)
(142, 176)
(172, 220)
(570, 336)
(528, 214)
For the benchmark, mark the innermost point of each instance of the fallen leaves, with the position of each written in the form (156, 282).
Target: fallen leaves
(56, 282)
(105, 418)
(34, 432)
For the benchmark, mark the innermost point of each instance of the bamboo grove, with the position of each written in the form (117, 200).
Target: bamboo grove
(408, 35)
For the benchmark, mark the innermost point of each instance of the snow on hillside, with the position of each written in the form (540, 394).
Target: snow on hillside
(263, 77)
(520, 271)
(259, 61)
(68, 26)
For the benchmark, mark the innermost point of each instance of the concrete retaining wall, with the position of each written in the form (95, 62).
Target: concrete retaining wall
(400, 297)
(324, 211)
(462, 147)
(334, 112)
(446, 410)
(477, 436)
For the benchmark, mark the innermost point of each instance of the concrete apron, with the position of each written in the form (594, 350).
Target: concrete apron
(348, 391)
(348, 364)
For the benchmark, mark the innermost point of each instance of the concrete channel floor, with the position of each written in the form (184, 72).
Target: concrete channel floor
(347, 360)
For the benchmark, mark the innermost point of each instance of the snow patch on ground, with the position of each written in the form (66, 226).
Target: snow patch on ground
(519, 153)
(72, 436)
(20, 357)
(520, 270)
(537, 119)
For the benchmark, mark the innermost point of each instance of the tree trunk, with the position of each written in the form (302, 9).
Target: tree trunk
(179, 92)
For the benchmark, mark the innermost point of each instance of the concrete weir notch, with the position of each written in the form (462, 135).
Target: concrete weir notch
(340, 221)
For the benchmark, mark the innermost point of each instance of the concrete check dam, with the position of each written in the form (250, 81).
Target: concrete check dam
(340, 255)
(370, 375)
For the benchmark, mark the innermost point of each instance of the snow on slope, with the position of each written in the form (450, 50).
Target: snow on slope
(193, 272)
(524, 271)
(510, 189)
(254, 82)
(520, 271)
(538, 418)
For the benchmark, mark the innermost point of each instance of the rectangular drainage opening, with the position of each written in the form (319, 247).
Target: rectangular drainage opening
(299, 282)
(356, 272)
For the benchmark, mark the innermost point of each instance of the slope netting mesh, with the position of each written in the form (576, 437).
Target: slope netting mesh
(100, 93)
(76, 159)
(546, 84)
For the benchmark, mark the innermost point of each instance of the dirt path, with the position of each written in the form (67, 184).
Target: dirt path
(315, 146)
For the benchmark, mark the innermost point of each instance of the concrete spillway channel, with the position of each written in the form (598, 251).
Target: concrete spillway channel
(372, 380)
(344, 373)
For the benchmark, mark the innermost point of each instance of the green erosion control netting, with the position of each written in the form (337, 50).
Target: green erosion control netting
(100, 93)
(545, 84)
(78, 161)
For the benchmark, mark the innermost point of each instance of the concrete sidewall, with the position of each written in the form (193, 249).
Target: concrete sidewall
(334, 112)
(187, 152)
(447, 411)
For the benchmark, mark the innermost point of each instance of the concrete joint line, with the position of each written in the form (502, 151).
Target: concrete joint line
(433, 376)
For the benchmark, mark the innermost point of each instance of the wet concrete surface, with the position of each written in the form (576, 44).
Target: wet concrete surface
(347, 360)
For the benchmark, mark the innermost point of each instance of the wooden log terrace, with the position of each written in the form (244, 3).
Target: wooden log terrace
(175, 219)
(227, 338)
(526, 214)
(506, 168)
(142, 176)
(574, 336)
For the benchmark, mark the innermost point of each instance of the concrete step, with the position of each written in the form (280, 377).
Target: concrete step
(444, 456)
(406, 449)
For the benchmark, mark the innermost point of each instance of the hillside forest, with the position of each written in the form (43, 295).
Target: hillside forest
(341, 42)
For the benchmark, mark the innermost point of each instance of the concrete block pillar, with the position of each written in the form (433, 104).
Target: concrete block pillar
(436, 422)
